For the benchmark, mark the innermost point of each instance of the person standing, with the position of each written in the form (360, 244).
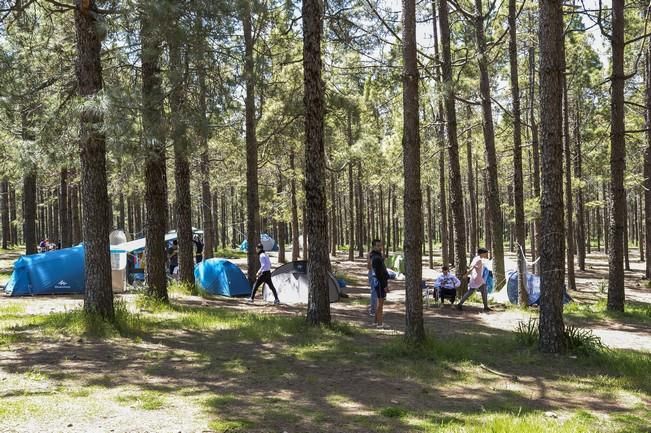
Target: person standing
(380, 281)
(476, 279)
(369, 267)
(198, 244)
(173, 257)
(264, 275)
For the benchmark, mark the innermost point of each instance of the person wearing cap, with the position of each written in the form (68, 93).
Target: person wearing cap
(264, 275)
(476, 281)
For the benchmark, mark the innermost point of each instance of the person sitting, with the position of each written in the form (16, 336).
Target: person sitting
(447, 285)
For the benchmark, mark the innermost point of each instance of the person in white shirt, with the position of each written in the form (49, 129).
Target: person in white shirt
(264, 275)
(447, 285)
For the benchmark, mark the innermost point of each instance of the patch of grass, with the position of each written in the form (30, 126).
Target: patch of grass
(147, 400)
(229, 253)
(230, 426)
(526, 333)
(634, 312)
(11, 310)
(219, 401)
(177, 288)
(35, 374)
(393, 412)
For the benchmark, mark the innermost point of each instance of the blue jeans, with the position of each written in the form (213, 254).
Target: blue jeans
(371, 277)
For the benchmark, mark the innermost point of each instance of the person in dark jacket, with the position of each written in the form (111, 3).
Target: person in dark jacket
(380, 281)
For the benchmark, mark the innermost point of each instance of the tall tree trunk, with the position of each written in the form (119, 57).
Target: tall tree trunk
(569, 209)
(13, 214)
(98, 296)
(333, 215)
(4, 210)
(181, 143)
(295, 237)
(351, 192)
(66, 227)
(518, 182)
(453, 148)
(252, 198)
(203, 132)
(318, 311)
(647, 168)
(29, 211)
(578, 173)
(472, 194)
(360, 212)
(495, 208)
(429, 228)
(155, 170)
(412, 198)
(617, 164)
(550, 38)
(76, 215)
(281, 224)
(535, 150)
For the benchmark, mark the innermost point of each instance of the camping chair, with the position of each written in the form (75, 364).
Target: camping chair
(429, 290)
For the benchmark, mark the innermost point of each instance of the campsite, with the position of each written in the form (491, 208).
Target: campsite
(310, 216)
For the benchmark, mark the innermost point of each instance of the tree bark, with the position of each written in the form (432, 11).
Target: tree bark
(429, 228)
(647, 168)
(13, 214)
(569, 209)
(412, 198)
(76, 215)
(155, 169)
(578, 173)
(295, 237)
(550, 38)
(181, 144)
(98, 296)
(281, 224)
(453, 148)
(472, 194)
(518, 181)
(203, 132)
(617, 203)
(64, 223)
(4, 210)
(318, 311)
(252, 198)
(495, 208)
(535, 148)
(351, 192)
(29, 211)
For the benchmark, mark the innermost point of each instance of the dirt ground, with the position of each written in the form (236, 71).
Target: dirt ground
(103, 371)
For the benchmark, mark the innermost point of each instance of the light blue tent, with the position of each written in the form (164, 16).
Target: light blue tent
(54, 272)
(221, 277)
(533, 287)
(267, 242)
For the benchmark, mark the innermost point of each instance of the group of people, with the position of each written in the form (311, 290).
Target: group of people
(173, 254)
(46, 245)
(446, 283)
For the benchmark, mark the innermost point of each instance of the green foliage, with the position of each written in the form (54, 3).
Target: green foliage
(582, 341)
(393, 412)
(147, 400)
(526, 333)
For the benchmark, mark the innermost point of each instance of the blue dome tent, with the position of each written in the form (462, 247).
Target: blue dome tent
(221, 277)
(54, 272)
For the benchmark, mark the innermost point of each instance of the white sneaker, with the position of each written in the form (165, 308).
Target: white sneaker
(250, 300)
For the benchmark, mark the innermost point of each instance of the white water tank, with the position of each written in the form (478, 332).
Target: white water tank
(118, 262)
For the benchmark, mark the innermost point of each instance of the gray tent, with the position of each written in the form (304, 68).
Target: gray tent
(291, 282)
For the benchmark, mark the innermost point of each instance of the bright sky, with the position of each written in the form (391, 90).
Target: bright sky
(424, 30)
